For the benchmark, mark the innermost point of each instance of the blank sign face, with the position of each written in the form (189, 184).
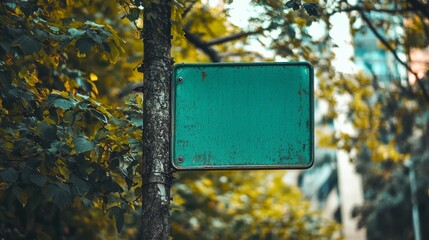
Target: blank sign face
(242, 116)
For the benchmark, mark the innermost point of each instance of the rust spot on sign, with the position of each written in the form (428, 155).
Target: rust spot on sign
(204, 75)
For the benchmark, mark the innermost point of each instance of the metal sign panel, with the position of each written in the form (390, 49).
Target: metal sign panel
(242, 116)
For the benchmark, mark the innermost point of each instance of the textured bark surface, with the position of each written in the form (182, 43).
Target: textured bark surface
(156, 114)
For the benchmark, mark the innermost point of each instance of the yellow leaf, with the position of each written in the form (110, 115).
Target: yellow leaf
(114, 52)
(55, 60)
(62, 93)
(207, 182)
(76, 24)
(48, 120)
(32, 79)
(81, 55)
(67, 85)
(93, 77)
(69, 2)
(8, 145)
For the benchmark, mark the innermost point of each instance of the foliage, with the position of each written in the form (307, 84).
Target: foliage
(389, 118)
(58, 144)
(261, 206)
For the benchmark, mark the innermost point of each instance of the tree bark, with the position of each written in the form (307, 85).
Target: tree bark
(157, 68)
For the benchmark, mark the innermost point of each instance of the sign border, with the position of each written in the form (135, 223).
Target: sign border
(239, 167)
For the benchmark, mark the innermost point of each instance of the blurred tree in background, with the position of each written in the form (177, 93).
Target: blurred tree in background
(70, 129)
(389, 116)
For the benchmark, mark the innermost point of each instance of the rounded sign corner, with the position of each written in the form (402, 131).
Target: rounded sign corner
(179, 65)
(176, 167)
(308, 65)
(308, 166)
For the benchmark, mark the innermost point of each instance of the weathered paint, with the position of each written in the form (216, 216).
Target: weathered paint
(242, 116)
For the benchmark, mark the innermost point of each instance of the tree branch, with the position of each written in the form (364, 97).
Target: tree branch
(395, 54)
(205, 46)
(246, 53)
(188, 9)
(233, 37)
(202, 45)
(382, 10)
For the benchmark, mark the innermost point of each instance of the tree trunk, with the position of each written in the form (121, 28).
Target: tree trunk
(157, 68)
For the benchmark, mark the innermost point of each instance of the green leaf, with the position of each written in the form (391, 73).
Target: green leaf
(294, 4)
(42, 34)
(100, 116)
(5, 45)
(5, 80)
(54, 29)
(34, 201)
(58, 193)
(59, 147)
(93, 24)
(17, 192)
(47, 132)
(109, 186)
(134, 143)
(312, 9)
(38, 179)
(87, 202)
(15, 92)
(119, 221)
(134, 14)
(84, 44)
(63, 103)
(11, 5)
(137, 121)
(75, 32)
(101, 134)
(82, 145)
(9, 175)
(79, 186)
(118, 214)
(83, 84)
(27, 44)
(94, 35)
(68, 117)
(119, 122)
(113, 211)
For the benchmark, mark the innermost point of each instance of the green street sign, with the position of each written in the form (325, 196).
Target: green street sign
(242, 116)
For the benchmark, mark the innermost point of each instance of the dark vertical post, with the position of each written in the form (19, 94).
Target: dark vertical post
(157, 68)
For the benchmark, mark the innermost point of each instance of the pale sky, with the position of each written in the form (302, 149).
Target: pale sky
(241, 10)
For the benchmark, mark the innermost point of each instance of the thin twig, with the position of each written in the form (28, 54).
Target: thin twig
(395, 54)
(188, 9)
